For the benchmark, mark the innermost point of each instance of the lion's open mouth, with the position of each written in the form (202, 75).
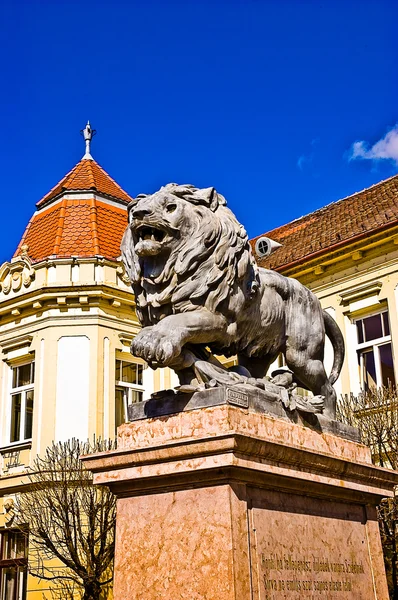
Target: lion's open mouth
(150, 233)
(149, 240)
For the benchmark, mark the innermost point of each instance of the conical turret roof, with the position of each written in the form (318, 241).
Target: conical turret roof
(86, 175)
(84, 215)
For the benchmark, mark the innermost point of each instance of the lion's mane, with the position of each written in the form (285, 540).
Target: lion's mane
(203, 269)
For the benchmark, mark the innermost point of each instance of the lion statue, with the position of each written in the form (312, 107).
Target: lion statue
(198, 289)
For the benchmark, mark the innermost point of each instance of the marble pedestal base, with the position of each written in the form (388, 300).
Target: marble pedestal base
(220, 503)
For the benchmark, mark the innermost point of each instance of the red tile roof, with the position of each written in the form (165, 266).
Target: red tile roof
(334, 225)
(83, 228)
(78, 226)
(89, 176)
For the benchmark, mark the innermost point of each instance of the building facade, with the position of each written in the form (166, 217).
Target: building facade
(66, 323)
(347, 254)
(67, 320)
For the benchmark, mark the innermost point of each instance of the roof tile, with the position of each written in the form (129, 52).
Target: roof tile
(338, 223)
(78, 226)
(77, 237)
(87, 175)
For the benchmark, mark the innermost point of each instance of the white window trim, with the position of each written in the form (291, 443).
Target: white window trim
(12, 392)
(129, 387)
(373, 345)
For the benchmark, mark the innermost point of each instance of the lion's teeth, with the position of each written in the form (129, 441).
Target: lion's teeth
(153, 237)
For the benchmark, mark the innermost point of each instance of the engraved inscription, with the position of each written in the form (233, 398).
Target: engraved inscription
(309, 548)
(290, 573)
(237, 398)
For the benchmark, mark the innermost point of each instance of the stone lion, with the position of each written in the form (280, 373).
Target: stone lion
(198, 288)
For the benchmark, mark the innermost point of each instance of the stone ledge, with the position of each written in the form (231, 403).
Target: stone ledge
(223, 443)
(217, 458)
(211, 421)
(169, 403)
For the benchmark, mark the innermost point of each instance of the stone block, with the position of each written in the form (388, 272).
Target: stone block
(225, 503)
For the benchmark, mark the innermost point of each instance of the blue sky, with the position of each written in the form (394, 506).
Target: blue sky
(263, 100)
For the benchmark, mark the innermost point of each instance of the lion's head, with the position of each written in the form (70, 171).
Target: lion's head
(184, 248)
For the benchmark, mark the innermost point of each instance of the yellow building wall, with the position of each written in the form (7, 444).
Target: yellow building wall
(356, 282)
(63, 305)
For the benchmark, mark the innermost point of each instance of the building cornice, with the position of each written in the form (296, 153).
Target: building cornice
(53, 260)
(13, 483)
(65, 297)
(356, 251)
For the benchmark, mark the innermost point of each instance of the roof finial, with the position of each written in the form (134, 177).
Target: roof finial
(88, 135)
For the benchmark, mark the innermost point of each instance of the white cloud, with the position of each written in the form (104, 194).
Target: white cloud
(384, 149)
(303, 160)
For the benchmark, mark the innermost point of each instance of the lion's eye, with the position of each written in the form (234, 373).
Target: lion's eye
(171, 207)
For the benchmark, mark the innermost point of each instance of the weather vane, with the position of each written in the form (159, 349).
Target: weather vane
(88, 135)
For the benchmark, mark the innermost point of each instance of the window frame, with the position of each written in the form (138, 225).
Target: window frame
(18, 563)
(126, 387)
(373, 345)
(23, 391)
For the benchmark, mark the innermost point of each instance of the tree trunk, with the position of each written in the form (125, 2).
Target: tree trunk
(92, 591)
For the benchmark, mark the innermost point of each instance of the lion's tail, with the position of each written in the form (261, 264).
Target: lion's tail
(336, 337)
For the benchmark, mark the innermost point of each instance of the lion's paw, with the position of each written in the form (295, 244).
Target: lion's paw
(156, 347)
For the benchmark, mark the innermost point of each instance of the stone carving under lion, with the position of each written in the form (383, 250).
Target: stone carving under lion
(199, 293)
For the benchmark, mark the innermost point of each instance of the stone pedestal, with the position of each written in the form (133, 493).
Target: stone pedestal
(221, 503)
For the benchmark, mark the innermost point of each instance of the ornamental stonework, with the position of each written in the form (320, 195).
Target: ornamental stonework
(16, 274)
(122, 274)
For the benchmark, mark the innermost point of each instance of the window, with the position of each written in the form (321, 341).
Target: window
(13, 564)
(375, 357)
(21, 402)
(129, 388)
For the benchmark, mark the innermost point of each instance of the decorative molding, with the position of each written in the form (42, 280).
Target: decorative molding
(17, 273)
(319, 269)
(9, 510)
(361, 291)
(24, 445)
(47, 296)
(126, 338)
(121, 273)
(357, 255)
(16, 342)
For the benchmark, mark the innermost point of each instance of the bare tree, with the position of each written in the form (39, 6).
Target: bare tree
(375, 414)
(70, 522)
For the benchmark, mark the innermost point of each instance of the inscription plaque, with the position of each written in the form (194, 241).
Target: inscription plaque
(237, 398)
(309, 548)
